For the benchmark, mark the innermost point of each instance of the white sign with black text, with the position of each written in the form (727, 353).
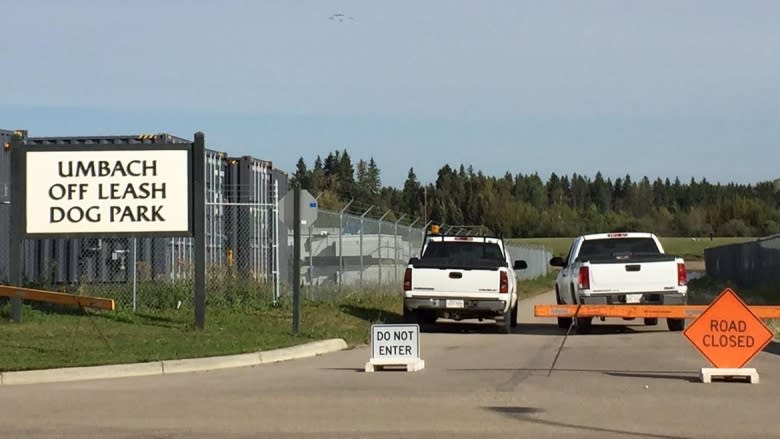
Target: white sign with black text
(124, 191)
(395, 345)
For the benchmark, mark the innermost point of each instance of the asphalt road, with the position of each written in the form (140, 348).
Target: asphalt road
(477, 383)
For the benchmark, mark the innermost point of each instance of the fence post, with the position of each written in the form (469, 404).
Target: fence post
(199, 226)
(341, 251)
(379, 247)
(311, 260)
(361, 244)
(395, 248)
(16, 220)
(410, 235)
(135, 274)
(276, 242)
(296, 275)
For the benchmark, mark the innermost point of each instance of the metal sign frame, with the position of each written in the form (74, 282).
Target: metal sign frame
(24, 149)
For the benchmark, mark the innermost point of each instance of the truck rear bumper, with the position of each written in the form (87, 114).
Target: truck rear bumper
(646, 299)
(454, 305)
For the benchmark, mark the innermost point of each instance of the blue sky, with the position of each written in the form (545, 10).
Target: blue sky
(649, 88)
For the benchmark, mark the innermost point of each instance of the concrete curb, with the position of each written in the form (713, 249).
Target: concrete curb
(173, 366)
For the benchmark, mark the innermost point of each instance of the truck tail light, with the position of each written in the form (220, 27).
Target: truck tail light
(408, 279)
(584, 278)
(682, 275)
(503, 283)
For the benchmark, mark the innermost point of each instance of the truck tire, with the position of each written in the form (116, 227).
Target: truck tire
(428, 316)
(563, 322)
(410, 316)
(675, 324)
(584, 325)
(506, 323)
(513, 321)
(651, 321)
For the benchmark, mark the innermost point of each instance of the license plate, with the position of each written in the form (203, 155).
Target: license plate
(454, 303)
(633, 298)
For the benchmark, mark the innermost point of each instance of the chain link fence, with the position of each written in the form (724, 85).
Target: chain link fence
(248, 258)
(350, 251)
(345, 252)
(749, 264)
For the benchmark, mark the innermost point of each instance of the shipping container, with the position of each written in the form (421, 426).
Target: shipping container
(249, 218)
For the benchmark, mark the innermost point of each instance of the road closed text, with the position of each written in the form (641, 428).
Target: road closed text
(728, 334)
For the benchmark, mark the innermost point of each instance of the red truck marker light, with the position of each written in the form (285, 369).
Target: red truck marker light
(682, 275)
(584, 278)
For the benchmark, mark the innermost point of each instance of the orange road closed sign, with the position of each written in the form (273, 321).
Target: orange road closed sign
(727, 333)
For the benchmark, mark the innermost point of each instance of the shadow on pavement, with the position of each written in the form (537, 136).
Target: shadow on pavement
(649, 374)
(522, 414)
(489, 327)
(686, 376)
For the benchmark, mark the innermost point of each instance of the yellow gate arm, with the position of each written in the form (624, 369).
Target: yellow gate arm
(639, 311)
(59, 298)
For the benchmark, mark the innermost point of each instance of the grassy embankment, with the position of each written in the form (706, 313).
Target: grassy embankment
(60, 337)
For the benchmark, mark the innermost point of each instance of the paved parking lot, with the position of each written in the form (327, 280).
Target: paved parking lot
(619, 382)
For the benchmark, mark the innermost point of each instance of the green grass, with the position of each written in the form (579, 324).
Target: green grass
(54, 336)
(689, 248)
(532, 287)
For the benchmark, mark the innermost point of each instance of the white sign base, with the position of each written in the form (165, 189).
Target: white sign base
(707, 373)
(411, 366)
(395, 345)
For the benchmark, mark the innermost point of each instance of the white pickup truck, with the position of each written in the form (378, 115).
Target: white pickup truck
(620, 268)
(462, 277)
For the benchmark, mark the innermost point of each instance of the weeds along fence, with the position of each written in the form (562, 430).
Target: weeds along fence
(157, 273)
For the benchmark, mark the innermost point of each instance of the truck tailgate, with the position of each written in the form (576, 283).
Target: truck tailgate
(450, 280)
(633, 277)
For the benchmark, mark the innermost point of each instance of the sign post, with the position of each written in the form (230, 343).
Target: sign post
(729, 335)
(395, 345)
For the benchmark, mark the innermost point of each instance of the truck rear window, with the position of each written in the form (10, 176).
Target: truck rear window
(617, 248)
(463, 251)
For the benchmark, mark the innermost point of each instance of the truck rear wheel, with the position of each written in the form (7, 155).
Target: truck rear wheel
(584, 325)
(506, 323)
(651, 321)
(410, 316)
(675, 324)
(513, 321)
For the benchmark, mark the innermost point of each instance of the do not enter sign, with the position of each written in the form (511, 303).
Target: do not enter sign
(727, 333)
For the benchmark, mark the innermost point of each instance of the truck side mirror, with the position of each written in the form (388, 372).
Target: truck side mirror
(520, 265)
(557, 262)
(414, 260)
